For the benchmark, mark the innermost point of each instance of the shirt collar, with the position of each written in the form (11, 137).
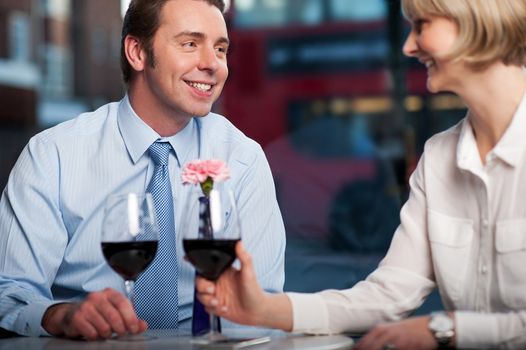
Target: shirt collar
(512, 144)
(138, 136)
(509, 148)
(467, 151)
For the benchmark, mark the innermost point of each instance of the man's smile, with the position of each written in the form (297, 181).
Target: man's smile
(204, 87)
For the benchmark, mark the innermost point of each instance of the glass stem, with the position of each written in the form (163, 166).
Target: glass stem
(213, 324)
(129, 286)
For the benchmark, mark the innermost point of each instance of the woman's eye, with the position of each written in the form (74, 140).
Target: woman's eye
(419, 24)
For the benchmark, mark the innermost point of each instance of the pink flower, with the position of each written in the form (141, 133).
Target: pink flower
(198, 171)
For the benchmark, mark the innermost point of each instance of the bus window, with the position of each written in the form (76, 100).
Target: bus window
(358, 10)
(277, 13)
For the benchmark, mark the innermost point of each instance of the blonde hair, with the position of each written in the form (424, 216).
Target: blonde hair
(489, 30)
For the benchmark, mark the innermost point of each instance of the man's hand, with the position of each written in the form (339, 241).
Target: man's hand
(98, 316)
(411, 334)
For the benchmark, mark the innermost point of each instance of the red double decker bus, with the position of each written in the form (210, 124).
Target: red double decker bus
(298, 60)
(290, 57)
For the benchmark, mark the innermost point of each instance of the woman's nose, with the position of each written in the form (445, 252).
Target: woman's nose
(410, 47)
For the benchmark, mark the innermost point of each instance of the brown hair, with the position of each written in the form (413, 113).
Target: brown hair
(489, 30)
(142, 21)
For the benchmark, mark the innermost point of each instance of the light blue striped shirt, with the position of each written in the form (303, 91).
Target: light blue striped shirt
(51, 209)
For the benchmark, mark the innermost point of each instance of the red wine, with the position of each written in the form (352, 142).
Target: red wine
(129, 259)
(210, 257)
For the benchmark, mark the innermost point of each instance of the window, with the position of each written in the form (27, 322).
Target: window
(19, 36)
(58, 72)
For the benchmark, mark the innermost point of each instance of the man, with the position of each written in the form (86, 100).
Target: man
(53, 277)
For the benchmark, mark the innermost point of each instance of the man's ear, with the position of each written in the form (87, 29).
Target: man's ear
(135, 55)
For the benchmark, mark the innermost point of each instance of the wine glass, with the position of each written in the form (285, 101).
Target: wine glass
(210, 228)
(129, 239)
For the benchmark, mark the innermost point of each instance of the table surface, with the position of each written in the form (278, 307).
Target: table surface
(171, 339)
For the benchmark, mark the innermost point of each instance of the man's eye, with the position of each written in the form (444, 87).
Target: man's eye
(189, 44)
(222, 49)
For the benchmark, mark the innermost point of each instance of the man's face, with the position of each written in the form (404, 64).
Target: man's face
(190, 64)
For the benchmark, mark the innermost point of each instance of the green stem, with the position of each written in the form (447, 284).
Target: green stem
(207, 186)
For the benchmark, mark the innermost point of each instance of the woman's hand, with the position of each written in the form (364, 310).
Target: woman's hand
(237, 296)
(411, 334)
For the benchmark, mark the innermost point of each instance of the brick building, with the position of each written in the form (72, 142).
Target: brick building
(58, 58)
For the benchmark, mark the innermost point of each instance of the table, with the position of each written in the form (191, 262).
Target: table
(171, 339)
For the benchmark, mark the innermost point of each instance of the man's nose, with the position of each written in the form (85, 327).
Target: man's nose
(209, 59)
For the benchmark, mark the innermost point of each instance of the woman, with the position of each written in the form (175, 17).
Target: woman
(463, 227)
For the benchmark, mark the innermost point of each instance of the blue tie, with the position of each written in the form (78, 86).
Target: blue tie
(200, 318)
(156, 297)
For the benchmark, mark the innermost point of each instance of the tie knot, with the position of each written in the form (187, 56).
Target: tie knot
(159, 152)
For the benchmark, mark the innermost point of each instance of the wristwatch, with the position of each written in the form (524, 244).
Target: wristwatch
(443, 329)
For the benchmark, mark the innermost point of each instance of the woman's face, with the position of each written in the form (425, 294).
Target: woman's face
(430, 39)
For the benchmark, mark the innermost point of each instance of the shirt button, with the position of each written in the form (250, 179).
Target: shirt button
(485, 222)
(483, 269)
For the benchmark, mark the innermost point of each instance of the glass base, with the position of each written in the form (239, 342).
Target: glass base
(131, 337)
(219, 341)
(209, 338)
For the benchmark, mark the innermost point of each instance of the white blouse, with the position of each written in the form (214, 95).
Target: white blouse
(462, 229)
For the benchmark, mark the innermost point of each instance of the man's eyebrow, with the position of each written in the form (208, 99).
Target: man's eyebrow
(223, 40)
(199, 35)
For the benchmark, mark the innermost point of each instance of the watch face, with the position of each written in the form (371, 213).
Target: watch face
(440, 323)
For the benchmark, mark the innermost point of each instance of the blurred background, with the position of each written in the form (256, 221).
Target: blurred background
(322, 85)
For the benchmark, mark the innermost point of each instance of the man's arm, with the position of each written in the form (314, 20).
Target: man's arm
(262, 225)
(32, 239)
